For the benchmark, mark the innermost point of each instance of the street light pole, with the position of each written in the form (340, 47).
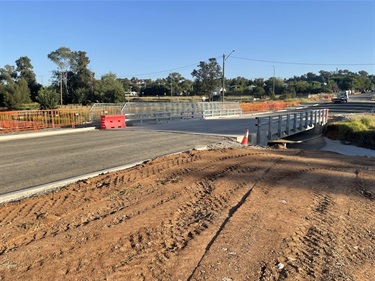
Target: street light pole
(223, 78)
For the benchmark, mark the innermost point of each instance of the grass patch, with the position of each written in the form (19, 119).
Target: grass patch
(359, 130)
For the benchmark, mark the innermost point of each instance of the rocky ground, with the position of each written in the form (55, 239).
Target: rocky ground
(227, 213)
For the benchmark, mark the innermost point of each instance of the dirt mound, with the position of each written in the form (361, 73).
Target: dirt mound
(226, 214)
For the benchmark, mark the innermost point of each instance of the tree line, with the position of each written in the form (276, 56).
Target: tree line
(74, 83)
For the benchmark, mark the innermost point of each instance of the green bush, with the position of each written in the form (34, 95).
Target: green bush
(359, 130)
(48, 98)
(369, 122)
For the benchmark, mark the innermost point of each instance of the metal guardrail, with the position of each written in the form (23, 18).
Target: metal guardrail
(274, 127)
(221, 112)
(99, 109)
(162, 116)
(158, 111)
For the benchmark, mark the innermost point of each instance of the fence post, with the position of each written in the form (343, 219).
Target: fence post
(53, 119)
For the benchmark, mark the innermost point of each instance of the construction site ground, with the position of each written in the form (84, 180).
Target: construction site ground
(222, 214)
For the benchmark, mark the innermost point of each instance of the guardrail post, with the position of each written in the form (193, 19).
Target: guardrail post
(288, 124)
(269, 135)
(301, 121)
(325, 117)
(279, 126)
(259, 129)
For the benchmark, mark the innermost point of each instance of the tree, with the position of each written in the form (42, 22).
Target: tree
(258, 92)
(315, 87)
(109, 89)
(83, 79)
(325, 76)
(186, 87)
(279, 86)
(302, 87)
(207, 77)
(259, 82)
(16, 94)
(7, 74)
(177, 84)
(348, 83)
(238, 85)
(65, 60)
(48, 98)
(25, 71)
(156, 88)
(174, 82)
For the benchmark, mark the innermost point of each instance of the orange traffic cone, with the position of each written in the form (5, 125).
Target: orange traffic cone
(245, 139)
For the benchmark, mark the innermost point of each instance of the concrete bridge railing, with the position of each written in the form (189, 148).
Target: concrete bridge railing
(278, 126)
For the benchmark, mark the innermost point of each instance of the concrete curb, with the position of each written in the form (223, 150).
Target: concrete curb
(44, 133)
(49, 187)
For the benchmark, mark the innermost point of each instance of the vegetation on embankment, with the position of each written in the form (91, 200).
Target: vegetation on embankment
(358, 130)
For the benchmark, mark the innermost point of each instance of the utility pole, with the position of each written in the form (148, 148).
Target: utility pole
(92, 85)
(60, 88)
(223, 78)
(274, 81)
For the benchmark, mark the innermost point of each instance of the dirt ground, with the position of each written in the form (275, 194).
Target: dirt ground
(223, 214)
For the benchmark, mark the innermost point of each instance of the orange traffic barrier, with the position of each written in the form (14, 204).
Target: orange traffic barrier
(245, 139)
(112, 121)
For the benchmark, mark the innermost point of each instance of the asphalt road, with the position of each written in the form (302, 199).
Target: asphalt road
(26, 163)
(360, 103)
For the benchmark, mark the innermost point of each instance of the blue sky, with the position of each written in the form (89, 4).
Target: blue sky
(150, 39)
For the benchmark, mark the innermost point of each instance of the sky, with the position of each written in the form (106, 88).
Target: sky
(151, 39)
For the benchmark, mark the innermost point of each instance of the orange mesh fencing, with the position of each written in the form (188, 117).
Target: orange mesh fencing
(28, 120)
(266, 105)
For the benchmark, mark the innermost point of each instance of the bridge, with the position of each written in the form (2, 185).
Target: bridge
(274, 127)
(268, 128)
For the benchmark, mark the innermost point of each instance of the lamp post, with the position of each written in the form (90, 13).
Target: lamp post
(223, 80)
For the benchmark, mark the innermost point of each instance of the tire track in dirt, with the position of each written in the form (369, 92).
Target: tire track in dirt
(321, 253)
(69, 200)
(317, 257)
(185, 225)
(263, 175)
(265, 180)
(173, 212)
(189, 221)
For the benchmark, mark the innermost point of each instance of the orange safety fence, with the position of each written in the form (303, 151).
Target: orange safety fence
(28, 120)
(266, 105)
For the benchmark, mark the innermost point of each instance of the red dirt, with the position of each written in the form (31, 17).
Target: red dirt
(230, 214)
